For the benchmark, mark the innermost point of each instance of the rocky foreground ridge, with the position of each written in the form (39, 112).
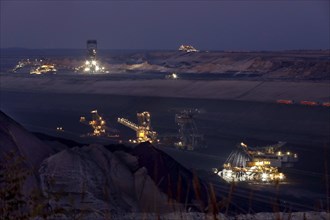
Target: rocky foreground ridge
(107, 182)
(99, 180)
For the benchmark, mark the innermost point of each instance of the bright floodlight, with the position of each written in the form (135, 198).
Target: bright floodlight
(93, 62)
(87, 62)
(243, 145)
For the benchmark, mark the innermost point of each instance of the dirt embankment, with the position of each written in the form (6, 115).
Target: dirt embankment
(284, 65)
(303, 65)
(262, 91)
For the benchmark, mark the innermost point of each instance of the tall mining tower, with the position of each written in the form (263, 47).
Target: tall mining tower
(190, 138)
(143, 128)
(91, 64)
(91, 49)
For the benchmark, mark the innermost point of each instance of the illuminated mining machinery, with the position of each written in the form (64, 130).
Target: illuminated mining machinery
(172, 76)
(143, 129)
(24, 63)
(187, 48)
(260, 164)
(45, 68)
(37, 67)
(98, 125)
(189, 137)
(91, 65)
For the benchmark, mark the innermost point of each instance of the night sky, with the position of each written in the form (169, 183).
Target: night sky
(207, 25)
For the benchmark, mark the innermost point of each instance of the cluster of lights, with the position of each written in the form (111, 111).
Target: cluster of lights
(98, 124)
(172, 76)
(187, 48)
(99, 127)
(261, 163)
(266, 177)
(260, 172)
(143, 134)
(93, 66)
(37, 66)
(259, 167)
(20, 64)
(143, 130)
(43, 69)
(288, 153)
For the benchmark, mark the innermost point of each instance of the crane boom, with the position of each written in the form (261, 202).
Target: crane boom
(143, 128)
(128, 123)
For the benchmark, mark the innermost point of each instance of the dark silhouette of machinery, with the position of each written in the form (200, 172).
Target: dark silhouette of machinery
(91, 49)
(189, 137)
(143, 128)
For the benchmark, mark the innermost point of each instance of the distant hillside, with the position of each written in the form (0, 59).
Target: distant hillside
(279, 65)
(269, 65)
